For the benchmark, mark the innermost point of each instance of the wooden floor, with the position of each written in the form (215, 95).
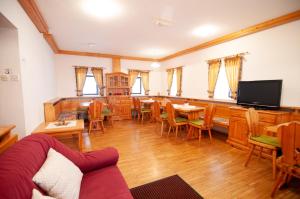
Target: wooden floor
(214, 170)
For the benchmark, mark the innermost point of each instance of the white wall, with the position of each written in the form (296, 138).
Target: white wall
(65, 75)
(273, 54)
(36, 64)
(11, 98)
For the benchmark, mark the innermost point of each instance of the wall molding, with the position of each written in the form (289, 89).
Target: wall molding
(235, 35)
(36, 17)
(91, 54)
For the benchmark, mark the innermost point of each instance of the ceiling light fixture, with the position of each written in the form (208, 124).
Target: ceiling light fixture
(102, 8)
(205, 31)
(155, 65)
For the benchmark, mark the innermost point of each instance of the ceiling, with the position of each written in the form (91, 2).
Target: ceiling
(134, 33)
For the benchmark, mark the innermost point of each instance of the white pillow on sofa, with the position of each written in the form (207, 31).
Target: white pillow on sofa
(37, 195)
(59, 177)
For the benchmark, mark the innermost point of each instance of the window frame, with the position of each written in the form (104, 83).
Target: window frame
(140, 86)
(97, 89)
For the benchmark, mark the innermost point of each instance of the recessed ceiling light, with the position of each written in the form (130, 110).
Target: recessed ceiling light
(205, 31)
(102, 8)
(155, 65)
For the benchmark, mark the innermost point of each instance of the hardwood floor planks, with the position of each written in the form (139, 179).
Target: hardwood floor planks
(214, 170)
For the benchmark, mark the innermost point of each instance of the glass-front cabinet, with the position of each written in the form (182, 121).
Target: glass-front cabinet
(117, 84)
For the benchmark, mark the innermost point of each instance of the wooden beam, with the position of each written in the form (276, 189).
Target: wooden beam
(34, 14)
(244, 32)
(116, 65)
(92, 54)
(49, 38)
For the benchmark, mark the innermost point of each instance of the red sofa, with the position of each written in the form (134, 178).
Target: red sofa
(101, 179)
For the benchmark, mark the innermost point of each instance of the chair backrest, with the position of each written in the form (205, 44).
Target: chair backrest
(156, 110)
(290, 143)
(95, 110)
(209, 114)
(252, 120)
(171, 113)
(138, 104)
(134, 103)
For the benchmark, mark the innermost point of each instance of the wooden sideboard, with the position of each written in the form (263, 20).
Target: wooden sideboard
(238, 127)
(122, 106)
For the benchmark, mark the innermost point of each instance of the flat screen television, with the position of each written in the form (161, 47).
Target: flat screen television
(264, 94)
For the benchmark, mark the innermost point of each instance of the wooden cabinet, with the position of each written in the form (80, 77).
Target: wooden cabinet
(238, 127)
(122, 106)
(7, 139)
(117, 84)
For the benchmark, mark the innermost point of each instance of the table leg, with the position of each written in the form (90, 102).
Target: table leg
(80, 142)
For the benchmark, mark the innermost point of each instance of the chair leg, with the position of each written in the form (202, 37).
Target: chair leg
(169, 130)
(278, 182)
(260, 152)
(250, 154)
(210, 137)
(90, 126)
(176, 131)
(162, 128)
(102, 126)
(274, 154)
(200, 134)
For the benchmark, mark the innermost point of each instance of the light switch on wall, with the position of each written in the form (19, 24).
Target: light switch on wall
(4, 77)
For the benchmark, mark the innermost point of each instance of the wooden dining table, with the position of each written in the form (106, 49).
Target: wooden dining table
(192, 112)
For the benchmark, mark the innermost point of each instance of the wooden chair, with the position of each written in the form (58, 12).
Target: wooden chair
(289, 162)
(141, 111)
(158, 116)
(108, 112)
(256, 139)
(135, 108)
(174, 121)
(95, 116)
(204, 124)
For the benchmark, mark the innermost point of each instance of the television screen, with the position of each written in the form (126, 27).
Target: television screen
(263, 93)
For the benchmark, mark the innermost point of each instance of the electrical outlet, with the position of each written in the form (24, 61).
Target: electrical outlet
(14, 78)
(4, 77)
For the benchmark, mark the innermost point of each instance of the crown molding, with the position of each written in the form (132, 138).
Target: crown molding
(36, 17)
(49, 38)
(244, 32)
(92, 54)
(34, 14)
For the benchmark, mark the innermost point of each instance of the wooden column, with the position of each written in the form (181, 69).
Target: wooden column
(116, 65)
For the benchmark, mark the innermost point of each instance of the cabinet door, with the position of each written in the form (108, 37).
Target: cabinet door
(238, 130)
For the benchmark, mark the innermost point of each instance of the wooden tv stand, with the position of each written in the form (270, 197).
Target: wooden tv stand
(238, 128)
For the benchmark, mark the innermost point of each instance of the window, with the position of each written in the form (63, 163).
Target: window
(174, 84)
(222, 90)
(137, 88)
(90, 86)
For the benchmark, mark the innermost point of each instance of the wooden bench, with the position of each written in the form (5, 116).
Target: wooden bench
(65, 108)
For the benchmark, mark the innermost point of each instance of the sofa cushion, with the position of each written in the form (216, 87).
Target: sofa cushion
(59, 177)
(106, 183)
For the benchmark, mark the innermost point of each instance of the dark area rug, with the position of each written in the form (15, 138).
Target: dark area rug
(172, 187)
